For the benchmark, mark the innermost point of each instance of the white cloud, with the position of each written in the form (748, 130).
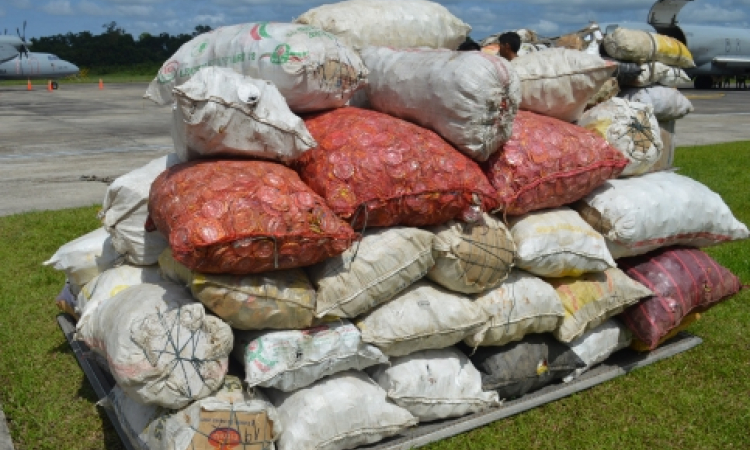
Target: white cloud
(58, 8)
(135, 10)
(92, 9)
(545, 27)
(210, 19)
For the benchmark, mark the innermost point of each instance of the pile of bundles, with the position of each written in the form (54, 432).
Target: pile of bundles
(459, 243)
(649, 68)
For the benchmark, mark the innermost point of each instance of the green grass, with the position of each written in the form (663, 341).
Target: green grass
(91, 79)
(696, 400)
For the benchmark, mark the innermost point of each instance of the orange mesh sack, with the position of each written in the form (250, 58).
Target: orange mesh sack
(377, 170)
(241, 217)
(549, 163)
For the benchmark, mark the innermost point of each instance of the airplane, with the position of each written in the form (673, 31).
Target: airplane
(18, 63)
(717, 51)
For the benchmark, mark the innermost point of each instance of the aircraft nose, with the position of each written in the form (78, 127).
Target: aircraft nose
(72, 69)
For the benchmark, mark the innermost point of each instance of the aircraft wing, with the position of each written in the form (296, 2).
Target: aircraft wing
(732, 62)
(664, 13)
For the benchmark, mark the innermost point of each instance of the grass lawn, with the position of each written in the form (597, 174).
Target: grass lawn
(91, 79)
(696, 400)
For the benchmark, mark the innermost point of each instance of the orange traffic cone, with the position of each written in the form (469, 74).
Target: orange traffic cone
(101, 85)
(49, 85)
(28, 85)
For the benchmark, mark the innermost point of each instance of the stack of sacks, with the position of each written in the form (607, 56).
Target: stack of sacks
(646, 220)
(661, 61)
(471, 279)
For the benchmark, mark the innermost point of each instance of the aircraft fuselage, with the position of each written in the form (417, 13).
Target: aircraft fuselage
(36, 66)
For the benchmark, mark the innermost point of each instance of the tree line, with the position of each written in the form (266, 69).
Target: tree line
(115, 50)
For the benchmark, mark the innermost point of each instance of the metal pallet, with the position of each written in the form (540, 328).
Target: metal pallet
(617, 365)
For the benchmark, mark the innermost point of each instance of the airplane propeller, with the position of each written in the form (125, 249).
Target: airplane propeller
(24, 49)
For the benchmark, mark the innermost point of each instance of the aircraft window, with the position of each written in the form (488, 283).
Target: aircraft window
(53, 58)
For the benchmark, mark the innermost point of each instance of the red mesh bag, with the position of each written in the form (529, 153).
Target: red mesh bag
(549, 163)
(377, 170)
(241, 217)
(684, 280)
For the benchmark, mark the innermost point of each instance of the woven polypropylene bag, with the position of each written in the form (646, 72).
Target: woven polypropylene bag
(592, 298)
(639, 214)
(631, 128)
(559, 82)
(312, 69)
(280, 299)
(549, 163)
(390, 23)
(643, 46)
(559, 243)
(242, 217)
(668, 103)
(683, 280)
(478, 94)
(345, 410)
(472, 257)
(434, 384)
(371, 272)
(377, 170)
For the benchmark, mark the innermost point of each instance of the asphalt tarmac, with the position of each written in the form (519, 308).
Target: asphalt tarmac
(58, 149)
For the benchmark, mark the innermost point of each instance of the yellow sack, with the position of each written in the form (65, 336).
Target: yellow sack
(591, 299)
(642, 46)
(283, 299)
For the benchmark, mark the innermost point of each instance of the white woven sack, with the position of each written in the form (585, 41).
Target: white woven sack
(674, 77)
(522, 305)
(234, 411)
(161, 346)
(312, 69)
(125, 211)
(596, 345)
(659, 73)
(292, 359)
(668, 103)
(109, 283)
(389, 23)
(472, 257)
(219, 112)
(640, 214)
(422, 317)
(558, 243)
(631, 128)
(435, 384)
(468, 98)
(85, 257)
(343, 411)
(559, 82)
(372, 271)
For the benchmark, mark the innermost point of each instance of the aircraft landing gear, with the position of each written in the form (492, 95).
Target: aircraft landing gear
(55, 85)
(704, 82)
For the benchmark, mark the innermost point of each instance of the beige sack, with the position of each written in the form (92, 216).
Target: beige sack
(472, 258)
(273, 300)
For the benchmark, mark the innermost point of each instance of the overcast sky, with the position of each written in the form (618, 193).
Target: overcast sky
(546, 17)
